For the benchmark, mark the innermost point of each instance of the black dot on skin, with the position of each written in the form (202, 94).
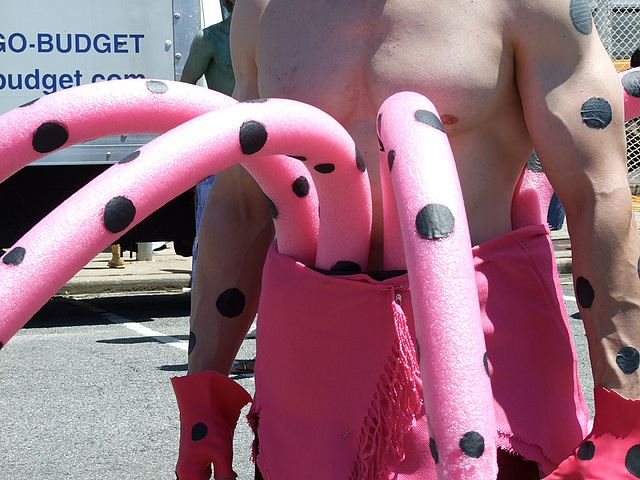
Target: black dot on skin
(434, 450)
(29, 103)
(253, 136)
(580, 12)
(628, 360)
(346, 266)
(485, 360)
(14, 256)
(391, 157)
(131, 157)
(192, 342)
(156, 86)
(596, 113)
(230, 303)
(429, 118)
(631, 83)
(632, 461)
(272, 208)
(435, 221)
(49, 137)
(472, 444)
(587, 450)
(360, 161)
(118, 214)
(301, 187)
(199, 431)
(324, 168)
(584, 292)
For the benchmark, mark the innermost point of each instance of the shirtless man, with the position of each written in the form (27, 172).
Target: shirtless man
(505, 76)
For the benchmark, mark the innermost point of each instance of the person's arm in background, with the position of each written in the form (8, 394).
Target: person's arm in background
(235, 232)
(573, 106)
(200, 55)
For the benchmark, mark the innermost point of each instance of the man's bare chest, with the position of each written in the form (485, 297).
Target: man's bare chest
(347, 64)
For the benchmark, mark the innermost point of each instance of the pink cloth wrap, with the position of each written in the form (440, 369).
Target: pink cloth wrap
(300, 410)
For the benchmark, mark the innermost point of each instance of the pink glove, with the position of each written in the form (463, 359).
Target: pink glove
(612, 450)
(210, 405)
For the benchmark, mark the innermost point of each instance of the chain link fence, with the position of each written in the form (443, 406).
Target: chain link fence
(618, 24)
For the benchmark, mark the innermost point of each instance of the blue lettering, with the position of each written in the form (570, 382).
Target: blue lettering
(3, 44)
(66, 81)
(79, 39)
(32, 80)
(120, 43)
(45, 43)
(67, 49)
(3, 82)
(97, 77)
(104, 47)
(136, 41)
(12, 45)
(49, 83)
(134, 75)
(18, 84)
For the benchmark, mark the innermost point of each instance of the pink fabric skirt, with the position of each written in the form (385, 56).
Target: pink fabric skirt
(338, 391)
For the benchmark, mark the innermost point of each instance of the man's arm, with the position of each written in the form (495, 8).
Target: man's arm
(200, 55)
(235, 233)
(573, 106)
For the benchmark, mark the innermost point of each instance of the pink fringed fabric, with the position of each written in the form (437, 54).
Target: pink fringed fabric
(393, 409)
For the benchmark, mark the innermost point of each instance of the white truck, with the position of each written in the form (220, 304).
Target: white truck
(47, 46)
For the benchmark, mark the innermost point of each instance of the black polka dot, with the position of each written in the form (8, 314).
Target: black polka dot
(156, 86)
(632, 461)
(429, 118)
(587, 450)
(14, 256)
(391, 157)
(29, 103)
(362, 166)
(435, 221)
(434, 450)
(628, 359)
(272, 208)
(379, 133)
(639, 267)
(131, 157)
(118, 214)
(199, 431)
(472, 444)
(534, 164)
(253, 136)
(485, 360)
(346, 266)
(298, 157)
(301, 187)
(596, 113)
(631, 83)
(584, 292)
(1, 345)
(192, 342)
(230, 303)
(49, 137)
(580, 12)
(324, 167)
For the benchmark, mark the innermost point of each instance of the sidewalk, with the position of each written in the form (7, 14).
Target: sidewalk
(169, 272)
(166, 272)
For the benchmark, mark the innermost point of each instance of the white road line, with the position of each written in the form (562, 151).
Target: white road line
(139, 329)
(569, 298)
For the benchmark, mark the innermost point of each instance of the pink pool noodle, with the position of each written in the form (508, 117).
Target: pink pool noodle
(458, 398)
(112, 203)
(630, 80)
(141, 106)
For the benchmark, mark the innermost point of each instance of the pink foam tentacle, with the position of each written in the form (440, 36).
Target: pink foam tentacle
(458, 398)
(35, 268)
(630, 80)
(531, 198)
(79, 114)
(393, 253)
